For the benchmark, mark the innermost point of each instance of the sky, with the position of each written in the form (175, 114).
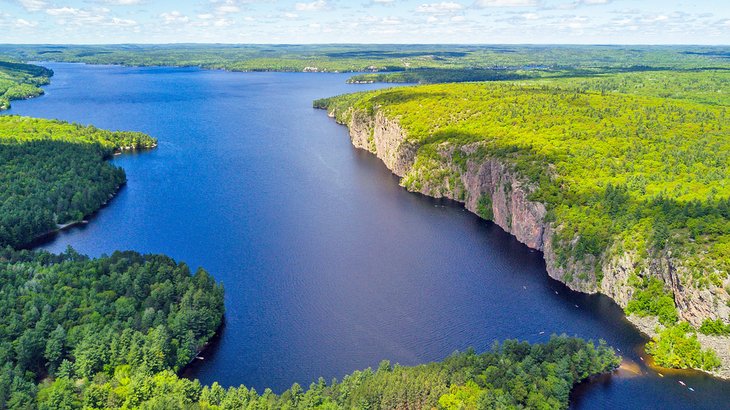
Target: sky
(366, 21)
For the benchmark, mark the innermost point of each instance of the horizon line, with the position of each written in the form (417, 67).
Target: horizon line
(374, 44)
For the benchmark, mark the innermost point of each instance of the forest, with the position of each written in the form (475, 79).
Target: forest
(20, 81)
(379, 58)
(701, 86)
(512, 375)
(446, 75)
(646, 173)
(114, 332)
(68, 317)
(54, 173)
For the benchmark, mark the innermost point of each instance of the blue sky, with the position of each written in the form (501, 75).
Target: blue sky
(366, 21)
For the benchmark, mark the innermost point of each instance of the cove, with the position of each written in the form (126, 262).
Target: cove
(329, 266)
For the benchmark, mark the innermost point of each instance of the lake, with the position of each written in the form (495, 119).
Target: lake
(329, 266)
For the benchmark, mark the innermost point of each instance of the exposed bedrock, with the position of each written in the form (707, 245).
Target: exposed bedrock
(490, 182)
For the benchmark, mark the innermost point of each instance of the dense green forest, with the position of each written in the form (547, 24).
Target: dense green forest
(627, 147)
(70, 317)
(702, 86)
(358, 57)
(53, 173)
(619, 173)
(16, 129)
(511, 375)
(19, 81)
(447, 75)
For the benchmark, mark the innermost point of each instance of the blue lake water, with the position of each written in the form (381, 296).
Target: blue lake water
(328, 265)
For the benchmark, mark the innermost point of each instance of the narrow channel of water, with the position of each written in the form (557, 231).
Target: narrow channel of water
(329, 266)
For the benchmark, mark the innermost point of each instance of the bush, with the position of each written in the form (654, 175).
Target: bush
(677, 347)
(715, 327)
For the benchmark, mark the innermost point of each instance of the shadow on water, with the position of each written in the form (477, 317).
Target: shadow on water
(208, 352)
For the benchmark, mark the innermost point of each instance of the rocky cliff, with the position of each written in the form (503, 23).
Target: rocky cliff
(491, 188)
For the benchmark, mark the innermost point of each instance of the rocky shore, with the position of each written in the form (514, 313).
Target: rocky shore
(508, 195)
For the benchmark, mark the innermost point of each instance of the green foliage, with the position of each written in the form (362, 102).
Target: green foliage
(20, 81)
(78, 318)
(462, 397)
(373, 57)
(649, 173)
(22, 91)
(677, 347)
(484, 207)
(651, 299)
(514, 374)
(702, 86)
(715, 327)
(446, 75)
(15, 129)
(47, 183)
(53, 173)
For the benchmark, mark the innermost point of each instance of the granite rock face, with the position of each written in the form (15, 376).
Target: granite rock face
(508, 197)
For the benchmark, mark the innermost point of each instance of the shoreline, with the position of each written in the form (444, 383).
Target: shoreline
(47, 236)
(646, 326)
(201, 67)
(206, 347)
(384, 138)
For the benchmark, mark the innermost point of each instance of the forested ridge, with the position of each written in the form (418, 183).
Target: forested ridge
(623, 165)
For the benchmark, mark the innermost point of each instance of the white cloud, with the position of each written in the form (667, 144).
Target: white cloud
(443, 7)
(313, 6)
(574, 23)
(122, 2)
(657, 18)
(364, 21)
(227, 8)
(222, 22)
(577, 3)
(390, 21)
(87, 17)
(22, 23)
(223, 7)
(64, 11)
(174, 17)
(122, 22)
(33, 5)
(507, 3)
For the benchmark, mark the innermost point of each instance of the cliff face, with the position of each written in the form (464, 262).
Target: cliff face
(384, 138)
(490, 188)
(508, 193)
